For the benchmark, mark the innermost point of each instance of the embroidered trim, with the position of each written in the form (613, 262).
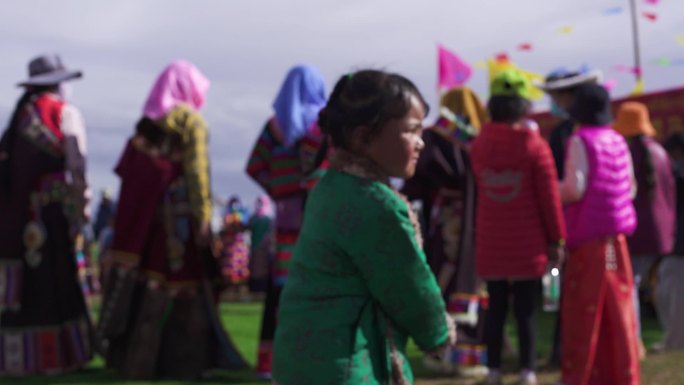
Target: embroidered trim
(11, 274)
(177, 222)
(464, 308)
(357, 165)
(124, 259)
(453, 128)
(396, 360)
(49, 349)
(37, 133)
(365, 168)
(611, 256)
(51, 188)
(468, 355)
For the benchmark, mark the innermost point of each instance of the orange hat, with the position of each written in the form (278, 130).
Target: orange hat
(632, 120)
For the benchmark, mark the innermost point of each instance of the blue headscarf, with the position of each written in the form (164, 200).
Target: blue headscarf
(301, 97)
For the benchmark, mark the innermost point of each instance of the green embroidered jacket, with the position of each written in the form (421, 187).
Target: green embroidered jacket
(359, 286)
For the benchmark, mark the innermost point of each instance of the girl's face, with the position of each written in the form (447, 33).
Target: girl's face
(398, 144)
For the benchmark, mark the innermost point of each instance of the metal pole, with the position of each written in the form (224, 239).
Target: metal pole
(635, 37)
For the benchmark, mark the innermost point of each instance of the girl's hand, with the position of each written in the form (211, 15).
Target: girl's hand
(440, 351)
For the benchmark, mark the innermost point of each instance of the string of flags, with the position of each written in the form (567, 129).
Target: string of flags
(454, 71)
(525, 47)
(613, 11)
(666, 62)
(652, 16)
(566, 30)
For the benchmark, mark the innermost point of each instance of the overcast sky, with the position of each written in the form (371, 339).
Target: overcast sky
(245, 47)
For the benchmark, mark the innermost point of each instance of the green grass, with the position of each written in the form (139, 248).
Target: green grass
(243, 321)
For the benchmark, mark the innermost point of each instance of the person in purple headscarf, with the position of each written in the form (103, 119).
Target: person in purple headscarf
(284, 164)
(158, 316)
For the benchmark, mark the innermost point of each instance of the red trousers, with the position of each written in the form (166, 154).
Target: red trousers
(599, 334)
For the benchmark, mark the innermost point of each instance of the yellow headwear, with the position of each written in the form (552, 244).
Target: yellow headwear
(464, 102)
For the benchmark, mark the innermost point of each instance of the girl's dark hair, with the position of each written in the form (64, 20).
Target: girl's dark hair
(639, 143)
(507, 109)
(368, 98)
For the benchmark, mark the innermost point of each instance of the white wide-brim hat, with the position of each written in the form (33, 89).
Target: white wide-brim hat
(572, 80)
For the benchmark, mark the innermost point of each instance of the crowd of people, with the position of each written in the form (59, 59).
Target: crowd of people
(350, 269)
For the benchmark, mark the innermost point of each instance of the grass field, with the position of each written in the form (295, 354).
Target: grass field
(243, 321)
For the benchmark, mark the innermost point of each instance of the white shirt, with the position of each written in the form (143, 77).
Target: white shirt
(574, 184)
(75, 148)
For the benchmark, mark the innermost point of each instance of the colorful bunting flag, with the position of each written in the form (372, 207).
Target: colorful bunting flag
(610, 84)
(613, 11)
(664, 62)
(639, 87)
(568, 29)
(680, 39)
(535, 78)
(627, 69)
(502, 57)
(650, 16)
(652, 2)
(482, 64)
(497, 66)
(453, 71)
(527, 47)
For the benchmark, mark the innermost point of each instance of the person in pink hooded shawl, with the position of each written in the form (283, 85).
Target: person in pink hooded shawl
(162, 288)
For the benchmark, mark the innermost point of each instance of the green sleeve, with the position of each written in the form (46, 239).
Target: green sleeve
(387, 254)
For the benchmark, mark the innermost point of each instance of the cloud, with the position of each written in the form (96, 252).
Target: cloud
(246, 46)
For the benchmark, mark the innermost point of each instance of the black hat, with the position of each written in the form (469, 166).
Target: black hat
(592, 105)
(48, 70)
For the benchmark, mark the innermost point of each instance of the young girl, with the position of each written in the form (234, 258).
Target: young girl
(359, 285)
(519, 224)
